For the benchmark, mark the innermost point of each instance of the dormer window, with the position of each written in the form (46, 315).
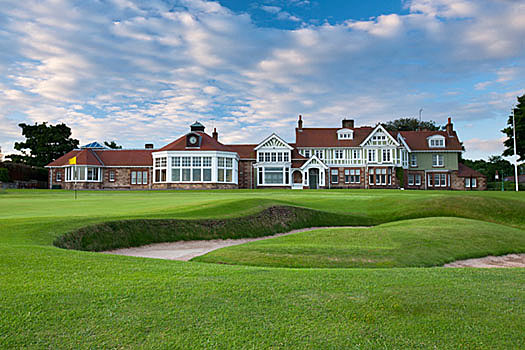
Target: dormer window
(345, 134)
(437, 141)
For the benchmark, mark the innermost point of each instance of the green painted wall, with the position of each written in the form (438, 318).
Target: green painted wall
(424, 160)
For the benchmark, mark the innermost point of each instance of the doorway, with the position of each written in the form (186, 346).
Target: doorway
(313, 179)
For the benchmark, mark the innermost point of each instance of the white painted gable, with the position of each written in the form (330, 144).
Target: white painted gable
(273, 142)
(379, 131)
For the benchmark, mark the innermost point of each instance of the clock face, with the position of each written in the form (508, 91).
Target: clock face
(193, 140)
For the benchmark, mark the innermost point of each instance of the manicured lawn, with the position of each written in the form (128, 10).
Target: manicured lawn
(62, 299)
(409, 243)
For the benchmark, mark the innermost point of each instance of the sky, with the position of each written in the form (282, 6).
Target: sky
(142, 71)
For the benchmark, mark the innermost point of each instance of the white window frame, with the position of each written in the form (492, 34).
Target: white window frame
(413, 160)
(438, 161)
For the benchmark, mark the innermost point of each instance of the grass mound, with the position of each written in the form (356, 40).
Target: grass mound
(409, 243)
(138, 232)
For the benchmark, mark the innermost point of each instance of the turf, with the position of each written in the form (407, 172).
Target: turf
(52, 298)
(411, 243)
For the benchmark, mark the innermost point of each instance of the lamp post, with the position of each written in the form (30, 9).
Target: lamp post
(516, 180)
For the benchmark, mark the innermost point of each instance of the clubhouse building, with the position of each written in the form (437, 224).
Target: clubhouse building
(344, 157)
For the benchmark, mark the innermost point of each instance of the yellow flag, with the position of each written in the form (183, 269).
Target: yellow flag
(73, 160)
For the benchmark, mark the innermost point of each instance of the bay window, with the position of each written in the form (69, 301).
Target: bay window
(82, 173)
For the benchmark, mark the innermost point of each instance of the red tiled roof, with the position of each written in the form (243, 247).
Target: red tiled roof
(208, 143)
(244, 151)
(465, 171)
(417, 140)
(126, 157)
(327, 137)
(107, 157)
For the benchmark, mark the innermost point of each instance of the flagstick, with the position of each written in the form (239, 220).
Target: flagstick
(516, 178)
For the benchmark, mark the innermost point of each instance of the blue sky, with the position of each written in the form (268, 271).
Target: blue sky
(142, 71)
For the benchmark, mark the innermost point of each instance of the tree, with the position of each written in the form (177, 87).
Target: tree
(489, 168)
(44, 143)
(519, 115)
(410, 124)
(112, 145)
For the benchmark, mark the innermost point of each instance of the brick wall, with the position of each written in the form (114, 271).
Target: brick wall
(414, 186)
(458, 183)
(194, 186)
(246, 174)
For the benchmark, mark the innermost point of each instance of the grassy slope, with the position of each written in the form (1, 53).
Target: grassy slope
(411, 243)
(52, 298)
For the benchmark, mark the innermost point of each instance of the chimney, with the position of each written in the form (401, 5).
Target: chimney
(300, 122)
(148, 146)
(449, 127)
(348, 123)
(215, 134)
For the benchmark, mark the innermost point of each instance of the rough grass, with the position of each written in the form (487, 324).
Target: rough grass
(134, 233)
(410, 243)
(53, 298)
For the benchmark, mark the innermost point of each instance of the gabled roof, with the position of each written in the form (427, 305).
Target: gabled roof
(312, 160)
(417, 140)
(380, 128)
(327, 137)
(208, 143)
(276, 139)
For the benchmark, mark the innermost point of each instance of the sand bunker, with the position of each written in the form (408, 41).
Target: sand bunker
(510, 260)
(186, 250)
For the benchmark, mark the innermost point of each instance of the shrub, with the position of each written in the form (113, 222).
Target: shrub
(4, 175)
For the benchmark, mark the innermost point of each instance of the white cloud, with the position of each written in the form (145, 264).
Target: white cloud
(125, 69)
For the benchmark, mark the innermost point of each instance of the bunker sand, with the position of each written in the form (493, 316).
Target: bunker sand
(509, 260)
(187, 250)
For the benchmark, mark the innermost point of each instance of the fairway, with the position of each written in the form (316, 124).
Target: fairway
(376, 293)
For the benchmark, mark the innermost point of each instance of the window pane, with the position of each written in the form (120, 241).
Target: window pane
(206, 174)
(186, 174)
(267, 157)
(133, 177)
(229, 175)
(273, 176)
(175, 162)
(206, 162)
(186, 161)
(196, 161)
(279, 157)
(229, 162)
(157, 175)
(196, 174)
(286, 157)
(221, 161)
(175, 175)
(163, 175)
(144, 177)
(220, 174)
(139, 177)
